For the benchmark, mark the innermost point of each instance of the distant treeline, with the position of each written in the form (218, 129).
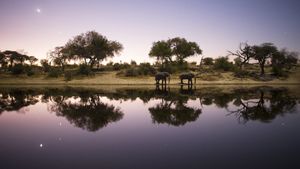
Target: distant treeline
(84, 54)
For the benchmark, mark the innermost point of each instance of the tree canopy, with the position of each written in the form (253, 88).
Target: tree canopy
(162, 51)
(183, 49)
(262, 53)
(92, 48)
(178, 47)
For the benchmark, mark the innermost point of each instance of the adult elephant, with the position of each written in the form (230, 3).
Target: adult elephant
(162, 76)
(187, 76)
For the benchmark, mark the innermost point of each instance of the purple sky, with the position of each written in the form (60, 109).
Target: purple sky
(37, 26)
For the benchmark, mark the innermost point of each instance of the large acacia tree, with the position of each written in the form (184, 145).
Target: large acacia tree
(178, 47)
(14, 57)
(262, 53)
(92, 48)
(183, 49)
(162, 51)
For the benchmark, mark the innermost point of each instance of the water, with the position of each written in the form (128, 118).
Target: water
(125, 127)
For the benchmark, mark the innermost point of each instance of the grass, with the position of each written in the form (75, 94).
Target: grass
(111, 78)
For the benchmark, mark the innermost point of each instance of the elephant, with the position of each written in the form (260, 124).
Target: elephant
(163, 76)
(188, 76)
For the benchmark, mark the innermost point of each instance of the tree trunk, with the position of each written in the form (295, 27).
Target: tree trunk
(262, 69)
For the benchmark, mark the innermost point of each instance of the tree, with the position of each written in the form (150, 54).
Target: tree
(3, 61)
(208, 61)
(283, 61)
(92, 48)
(45, 64)
(162, 51)
(183, 49)
(15, 57)
(262, 53)
(32, 60)
(59, 56)
(244, 54)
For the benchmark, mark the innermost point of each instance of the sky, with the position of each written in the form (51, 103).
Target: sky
(38, 26)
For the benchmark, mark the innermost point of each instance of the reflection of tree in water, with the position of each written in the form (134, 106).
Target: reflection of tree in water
(89, 113)
(14, 100)
(256, 103)
(174, 112)
(264, 105)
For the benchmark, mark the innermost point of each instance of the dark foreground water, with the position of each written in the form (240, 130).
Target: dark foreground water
(256, 127)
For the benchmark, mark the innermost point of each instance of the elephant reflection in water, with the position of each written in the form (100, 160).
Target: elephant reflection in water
(265, 106)
(174, 112)
(90, 113)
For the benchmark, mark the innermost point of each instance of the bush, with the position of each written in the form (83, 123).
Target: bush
(125, 66)
(142, 69)
(146, 69)
(241, 73)
(183, 66)
(68, 75)
(116, 66)
(17, 69)
(168, 68)
(54, 72)
(45, 64)
(30, 72)
(133, 63)
(222, 63)
(85, 69)
(132, 72)
(208, 61)
(278, 71)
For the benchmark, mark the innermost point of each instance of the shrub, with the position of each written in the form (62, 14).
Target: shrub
(30, 72)
(17, 69)
(68, 75)
(182, 66)
(222, 63)
(133, 63)
(85, 69)
(241, 73)
(146, 69)
(168, 68)
(278, 71)
(54, 72)
(116, 66)
(208, 61)
(125, 66)
(45, 64)
(132, 72)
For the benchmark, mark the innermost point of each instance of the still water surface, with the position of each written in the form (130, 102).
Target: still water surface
(210, 127)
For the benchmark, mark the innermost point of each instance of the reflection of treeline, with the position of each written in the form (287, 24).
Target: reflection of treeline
(89, 112)
(175, 112)
(14, 100)
(85, 109)
(267, 104)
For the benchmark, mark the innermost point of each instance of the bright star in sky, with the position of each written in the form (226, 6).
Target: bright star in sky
(38, 10)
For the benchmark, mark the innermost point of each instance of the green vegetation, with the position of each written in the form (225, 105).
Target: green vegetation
(81, 59)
